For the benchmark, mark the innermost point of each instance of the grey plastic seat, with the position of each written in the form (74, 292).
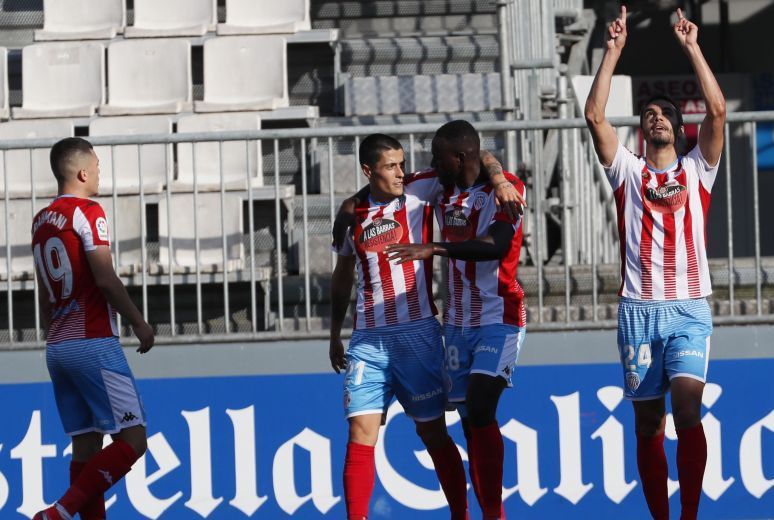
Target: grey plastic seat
(19, 167)
(244, 73)
(208, 160)
(183, 253)
(64, 79)
(154, 160)
(150, 76)
(82, 19)
(163, 18)
(265, 17)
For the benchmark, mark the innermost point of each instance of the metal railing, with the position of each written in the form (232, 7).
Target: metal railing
(573, 288)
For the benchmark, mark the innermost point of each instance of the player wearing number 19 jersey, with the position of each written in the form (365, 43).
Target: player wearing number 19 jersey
(79, 295)
(664, 320)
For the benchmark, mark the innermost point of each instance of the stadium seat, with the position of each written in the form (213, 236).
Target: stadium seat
(125, 231)
(4, 110)
(18, 165)
(265, 17)
(244, 73)
(155, 159)
(82, 19)
(149, 77)
(154, 18)
(62, 80)
(209, 231)
(20, 215)
(208, 159)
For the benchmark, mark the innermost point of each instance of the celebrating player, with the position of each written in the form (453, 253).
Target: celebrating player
(396, 348)
(94, 388)
(485, 317)
(664, 321)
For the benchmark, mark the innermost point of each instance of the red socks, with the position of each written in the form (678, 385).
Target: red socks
(98, 475)
(451, 475)
(95, 508)
(359, 475)
(486, 460)
(652, 465)
(691, 460)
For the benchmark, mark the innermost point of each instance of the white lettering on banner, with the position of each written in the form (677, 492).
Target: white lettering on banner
(571, 485)
(246, 498)
(137, 482)
(3, 487)
(611, 434)
(321, 494)
(201, 499)
(106, 440)
(751, 457)
(32, 451)
(527, 467)
(396, 485)
(714, 484)
(671, 434)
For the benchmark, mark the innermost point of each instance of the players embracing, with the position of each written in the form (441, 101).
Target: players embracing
(485, 314)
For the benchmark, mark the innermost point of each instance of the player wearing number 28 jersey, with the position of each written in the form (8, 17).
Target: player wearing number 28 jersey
(79, 295)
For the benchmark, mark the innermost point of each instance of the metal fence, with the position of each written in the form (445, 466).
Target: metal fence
(570, 284)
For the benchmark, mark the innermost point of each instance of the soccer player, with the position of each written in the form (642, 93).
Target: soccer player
(664, 321)
(485, 319)
(396, 348)
(80, 293)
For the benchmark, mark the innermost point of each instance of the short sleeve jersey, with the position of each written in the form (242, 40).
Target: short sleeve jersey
(388, 293)
(662, 225)
(481, 293)
(62, 233)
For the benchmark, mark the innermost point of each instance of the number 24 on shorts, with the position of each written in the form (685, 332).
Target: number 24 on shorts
(643, 355)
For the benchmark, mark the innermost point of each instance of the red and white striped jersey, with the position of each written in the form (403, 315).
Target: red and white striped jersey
(62, 233)
(480, 293)
(662, 225)
(388, 293)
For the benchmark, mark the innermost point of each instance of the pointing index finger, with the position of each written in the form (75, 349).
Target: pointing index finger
(623, 13)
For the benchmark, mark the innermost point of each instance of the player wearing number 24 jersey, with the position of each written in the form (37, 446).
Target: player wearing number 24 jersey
(79, 295)
(664, 320)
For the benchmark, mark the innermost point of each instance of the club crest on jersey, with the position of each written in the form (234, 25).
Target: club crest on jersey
(667, 198)
(456, 225)
(633, 380)
(379, 234)
(479, 200)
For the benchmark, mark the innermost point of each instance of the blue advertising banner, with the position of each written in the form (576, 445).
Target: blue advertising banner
(273, 447)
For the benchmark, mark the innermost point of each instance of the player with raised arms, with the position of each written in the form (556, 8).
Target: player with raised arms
(79, 295)
(664, 320)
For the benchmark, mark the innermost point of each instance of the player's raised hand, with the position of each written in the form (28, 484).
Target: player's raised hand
(686, 31)
(509, 200)
(616, 32)
(336, 353)
(402, 253)
(144, 333)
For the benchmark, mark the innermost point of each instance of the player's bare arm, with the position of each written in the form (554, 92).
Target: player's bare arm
(507, 197)
(711, 132)
(491, 247)
(602, 132)
(101, 264)
(341, 287)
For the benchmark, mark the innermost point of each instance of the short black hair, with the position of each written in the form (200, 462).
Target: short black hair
(668, 99)
(460, 134)
(372, 147)
(63, 151)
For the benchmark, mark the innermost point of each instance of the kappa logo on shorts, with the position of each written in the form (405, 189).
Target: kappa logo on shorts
(633, 380)
(347, 399)
(128, 416)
